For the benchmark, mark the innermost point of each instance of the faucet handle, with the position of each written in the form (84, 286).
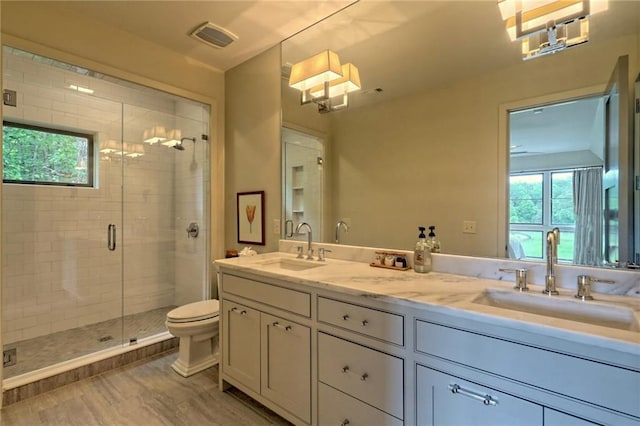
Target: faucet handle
(584, 286)
(521, 278)
(299, 248)
(321, 253)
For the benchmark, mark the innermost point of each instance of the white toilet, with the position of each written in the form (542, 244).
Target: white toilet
(197, 325)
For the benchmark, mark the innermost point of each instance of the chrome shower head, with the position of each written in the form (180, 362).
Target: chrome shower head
(180, 147)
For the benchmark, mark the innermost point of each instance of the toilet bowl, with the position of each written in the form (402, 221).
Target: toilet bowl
(197, 325)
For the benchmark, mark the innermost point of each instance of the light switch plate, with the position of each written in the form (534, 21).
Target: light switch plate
(469, 227)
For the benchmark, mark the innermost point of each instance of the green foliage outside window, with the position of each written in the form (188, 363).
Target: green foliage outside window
(40, 155)
(528, 195)
(562, 199)
(525, 199)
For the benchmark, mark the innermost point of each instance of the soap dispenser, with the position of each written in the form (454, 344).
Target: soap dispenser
(422, 253)
(433, 242)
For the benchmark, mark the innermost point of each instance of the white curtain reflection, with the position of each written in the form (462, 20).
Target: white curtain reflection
(588, 208)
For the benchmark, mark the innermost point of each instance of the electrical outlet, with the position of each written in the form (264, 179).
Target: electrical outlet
(276, 226)
(469, 227)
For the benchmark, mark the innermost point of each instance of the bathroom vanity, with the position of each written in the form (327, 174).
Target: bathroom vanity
(342, 343)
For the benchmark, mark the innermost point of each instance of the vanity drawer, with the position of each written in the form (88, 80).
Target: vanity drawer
(598, 383)
(337, 408)
(381, 325)
(294, 301)
(366, 374)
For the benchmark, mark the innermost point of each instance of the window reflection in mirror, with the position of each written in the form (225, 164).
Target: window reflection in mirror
(556, 180)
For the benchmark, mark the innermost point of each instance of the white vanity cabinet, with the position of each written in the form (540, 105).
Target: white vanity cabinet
(468, 377)
(266, 353)
(322, 353)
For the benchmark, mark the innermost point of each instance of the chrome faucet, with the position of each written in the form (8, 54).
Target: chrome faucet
(309, 249)
(553, 239)
(340, 224)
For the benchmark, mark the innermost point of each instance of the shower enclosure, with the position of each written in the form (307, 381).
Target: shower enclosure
(95, 265)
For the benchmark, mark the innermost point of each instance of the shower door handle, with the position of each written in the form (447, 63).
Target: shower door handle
(111, 237)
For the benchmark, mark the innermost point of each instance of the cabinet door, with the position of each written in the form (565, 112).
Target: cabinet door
(470, 404)
(241, 344)
(286, 365)
(556, 418)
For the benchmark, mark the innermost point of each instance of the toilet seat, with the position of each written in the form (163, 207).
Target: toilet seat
(197, 311)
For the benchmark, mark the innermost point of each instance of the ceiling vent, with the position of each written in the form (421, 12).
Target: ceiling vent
(214, 35)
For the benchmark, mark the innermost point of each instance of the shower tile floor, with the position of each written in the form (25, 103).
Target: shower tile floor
(43, 351)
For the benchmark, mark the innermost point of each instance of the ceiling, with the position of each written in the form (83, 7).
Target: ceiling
(259, 25)
(426, 43)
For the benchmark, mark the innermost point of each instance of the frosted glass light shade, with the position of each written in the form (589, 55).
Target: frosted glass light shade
(349, 82)
(315, 70)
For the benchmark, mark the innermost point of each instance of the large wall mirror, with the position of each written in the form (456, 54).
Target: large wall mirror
(451, 126)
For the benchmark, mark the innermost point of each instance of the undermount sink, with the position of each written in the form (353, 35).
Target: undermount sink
(290, 264)
(568, 309)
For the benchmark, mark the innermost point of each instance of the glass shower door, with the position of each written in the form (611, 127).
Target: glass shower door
(62, 285)
(165, 265)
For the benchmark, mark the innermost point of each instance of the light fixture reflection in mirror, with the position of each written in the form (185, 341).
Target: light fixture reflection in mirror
(431, 148)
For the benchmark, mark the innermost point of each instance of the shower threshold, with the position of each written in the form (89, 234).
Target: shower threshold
(66, 346)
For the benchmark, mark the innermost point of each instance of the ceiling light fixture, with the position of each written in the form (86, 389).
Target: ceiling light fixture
(548, 26)
(341, 87)
(317, 70)
(154, 135)
(173, 138)
(321, 77)
(110, 146)
(136, 150)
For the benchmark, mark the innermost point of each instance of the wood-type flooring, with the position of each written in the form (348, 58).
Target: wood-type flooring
(145, 393)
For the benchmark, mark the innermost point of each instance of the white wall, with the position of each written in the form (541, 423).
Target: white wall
(252, 157)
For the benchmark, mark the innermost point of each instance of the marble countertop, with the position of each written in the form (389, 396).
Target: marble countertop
(456, 295)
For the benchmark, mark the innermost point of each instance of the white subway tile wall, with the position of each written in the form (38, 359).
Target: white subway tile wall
(57, 271)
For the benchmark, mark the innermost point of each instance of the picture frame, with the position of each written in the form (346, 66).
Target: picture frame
(250, 217)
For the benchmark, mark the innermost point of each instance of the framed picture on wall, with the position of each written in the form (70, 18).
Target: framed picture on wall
(251, 217)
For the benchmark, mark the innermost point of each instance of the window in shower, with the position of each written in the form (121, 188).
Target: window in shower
(46, 156)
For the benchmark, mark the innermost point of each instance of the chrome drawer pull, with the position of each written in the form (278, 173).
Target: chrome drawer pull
(345, 317)
(238, 311)
(364, 323)
(486, 399)
(345, 422)
(283, 327)
(363, 377)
